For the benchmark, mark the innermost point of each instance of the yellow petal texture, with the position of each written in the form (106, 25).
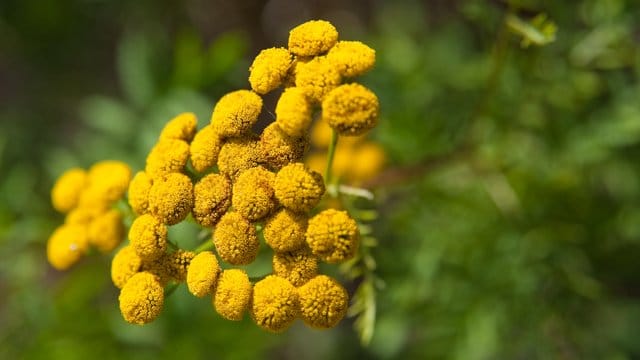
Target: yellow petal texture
(275, 303)
(66, 246)
(167, 156)
(111, 177)
(237, 155)
(333, 236)
(253, 194)
(285, 230)
(352, 58)
(236, 112)
(298, 188)
(269, 69)
(66, 190)
(202, 274)
(323, 302)
(351, 109)
(212, 197)
(312, 38)
(141, 299)
(277, 148)
(297, 266)
(171, 198)
(317, 78)
(138, 195)
(124, 265)
(148, 236)
(204, 149)
(107, 231)
(293, 112)
(236, 240)
(233, 294)
(177, 264)
(181, 127)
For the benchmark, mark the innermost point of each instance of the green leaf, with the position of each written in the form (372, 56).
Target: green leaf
(539, 31)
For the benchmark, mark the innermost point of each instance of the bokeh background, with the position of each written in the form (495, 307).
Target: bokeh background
(509, 211)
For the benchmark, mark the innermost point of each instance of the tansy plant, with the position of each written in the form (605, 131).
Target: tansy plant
(244, 189)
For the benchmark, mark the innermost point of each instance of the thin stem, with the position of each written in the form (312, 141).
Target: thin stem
(330, 155)
(206, 245)
(170, 289)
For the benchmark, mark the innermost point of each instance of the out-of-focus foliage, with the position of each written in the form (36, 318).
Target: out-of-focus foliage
(509, 217)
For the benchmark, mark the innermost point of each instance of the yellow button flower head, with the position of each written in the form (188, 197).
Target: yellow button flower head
(233, 294)
(124, 265)
(141, 299)
(293, 112)
(269, 69)
(202, 274)
(253, 195)
(167, 156)
(177, 264)
(66, 246)
(148, 236)
(352, 58)
(317, 78)
(212, 197)
(312, 38)
(111, 177)
(139, 192)
(236, 112)
(171, 198)
(323, 302)
(83, 215)
(298, 188)
(333, 236)
(368, 161)
(277, 149)
(66, 191)
(297, 266)
(275, 303)
(236, 240)
(237, 155)
(205, 148)
(351, 109)
(285, 230)
(107, 231)
(181, 127)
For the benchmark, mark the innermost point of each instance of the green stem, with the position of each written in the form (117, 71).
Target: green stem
(330, 155)
(170, 289)
(207, 245)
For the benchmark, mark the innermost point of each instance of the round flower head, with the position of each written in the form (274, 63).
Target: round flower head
(285, 230)
(298, 188)
(66, 246)
(141, 299)
(352, 58)
(139, 192)
(333, 236)
(66, 191)
(236, 240)
(237, 155)
(275, 303)
(212, 197)
(297, 266)
(323, 302)
(202, 274)
(269, 69)
(83, 215)
(317, 78)
(351, 109)
(181, 127)
(124, 265)
(171, 198)
(205, 148)
(177, 264)
(277, 149)
(236, 112)
(233, 294)
(111, 178)
(107, 231)
(253, 195)
(167, 156)
(293, 112)
(312, 38)
(368, 161)
(148, 237)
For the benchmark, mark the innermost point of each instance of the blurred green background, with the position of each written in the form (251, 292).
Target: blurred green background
(509, 213)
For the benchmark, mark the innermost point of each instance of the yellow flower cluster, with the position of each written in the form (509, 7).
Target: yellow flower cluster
(87, 198)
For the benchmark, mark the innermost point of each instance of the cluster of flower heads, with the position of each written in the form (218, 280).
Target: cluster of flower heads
(246, 187)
